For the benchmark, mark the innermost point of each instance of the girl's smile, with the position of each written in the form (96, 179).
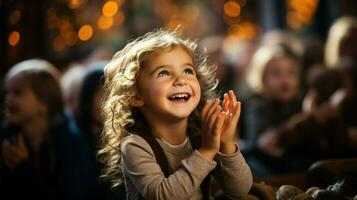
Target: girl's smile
(167, 84)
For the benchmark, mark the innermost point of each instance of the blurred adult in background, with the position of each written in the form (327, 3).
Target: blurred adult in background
(40, 157)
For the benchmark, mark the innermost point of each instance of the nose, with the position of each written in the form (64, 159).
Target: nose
(180, 81)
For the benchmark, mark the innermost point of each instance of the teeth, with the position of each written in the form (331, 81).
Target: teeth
(180, 96)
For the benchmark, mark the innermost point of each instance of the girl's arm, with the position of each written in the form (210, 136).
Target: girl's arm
(232, 173)
(143, 175)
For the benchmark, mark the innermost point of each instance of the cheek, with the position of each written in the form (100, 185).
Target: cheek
(270, 82)
(198, 89)
(157, 90)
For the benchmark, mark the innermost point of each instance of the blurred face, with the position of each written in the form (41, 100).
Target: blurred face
(168, 86)
(281, 79)
(21, 104)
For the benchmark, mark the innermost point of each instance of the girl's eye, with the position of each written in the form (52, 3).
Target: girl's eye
(163, 73)
(188, 71)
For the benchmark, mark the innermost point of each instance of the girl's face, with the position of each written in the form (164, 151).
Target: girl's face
(282, 79)
(168, 86)
(21, 104)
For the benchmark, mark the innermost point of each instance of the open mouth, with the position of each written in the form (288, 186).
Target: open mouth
(180, 97)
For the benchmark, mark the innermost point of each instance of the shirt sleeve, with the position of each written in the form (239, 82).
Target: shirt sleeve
(233, 174)
(142, 170)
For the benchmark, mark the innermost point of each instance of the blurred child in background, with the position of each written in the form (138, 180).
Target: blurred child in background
(40, 158)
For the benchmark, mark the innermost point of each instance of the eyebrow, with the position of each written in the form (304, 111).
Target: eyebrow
(163, 66)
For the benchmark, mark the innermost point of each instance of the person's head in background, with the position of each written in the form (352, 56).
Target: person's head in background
(32, 94)
(88, 116)
(284, 38)
(341, 43)
(71, 81)
(275, 73)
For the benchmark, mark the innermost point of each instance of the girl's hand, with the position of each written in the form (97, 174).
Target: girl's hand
(212, 121)
(15, 153)
(232, 110)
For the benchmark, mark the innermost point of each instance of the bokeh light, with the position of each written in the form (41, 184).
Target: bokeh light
(85, 32)
(231, 9)
(110, 8)
(14, 38)
(105, 22)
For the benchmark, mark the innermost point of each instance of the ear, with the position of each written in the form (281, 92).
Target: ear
(137, 101)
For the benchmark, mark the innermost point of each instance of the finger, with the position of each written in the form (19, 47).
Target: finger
(205, 109)
(237, 109)
(218, 125)
(211, 109)
(232, 98)
(225, 102)
(213, 118)
(206, 115)
(233, 116)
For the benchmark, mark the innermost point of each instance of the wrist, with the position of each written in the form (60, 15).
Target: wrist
(228, 148)
(208, 154)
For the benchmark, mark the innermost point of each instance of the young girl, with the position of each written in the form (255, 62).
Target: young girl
(275, 79)
(158, 86)
(40, 158)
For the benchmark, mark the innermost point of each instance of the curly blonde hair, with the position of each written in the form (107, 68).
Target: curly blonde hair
(121, 73)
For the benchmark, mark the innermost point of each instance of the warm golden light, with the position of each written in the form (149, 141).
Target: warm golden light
(52, 21)
(71, 38)
(15, 17)
(231, 9)
(119, 18)
(242, 3)
(85, 32)
(105, 22)
(191, 12)
(65, 27)
(58, 43)
(173, 24)
(300, 12)
(120, 2)
(110, 8)
(245, 30)
(14, 38)
(74, 4)
(293, 21)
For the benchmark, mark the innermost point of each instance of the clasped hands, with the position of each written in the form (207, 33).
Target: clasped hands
(219, 124)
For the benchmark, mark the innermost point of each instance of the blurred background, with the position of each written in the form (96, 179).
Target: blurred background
(64, 31)
(292, 63)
